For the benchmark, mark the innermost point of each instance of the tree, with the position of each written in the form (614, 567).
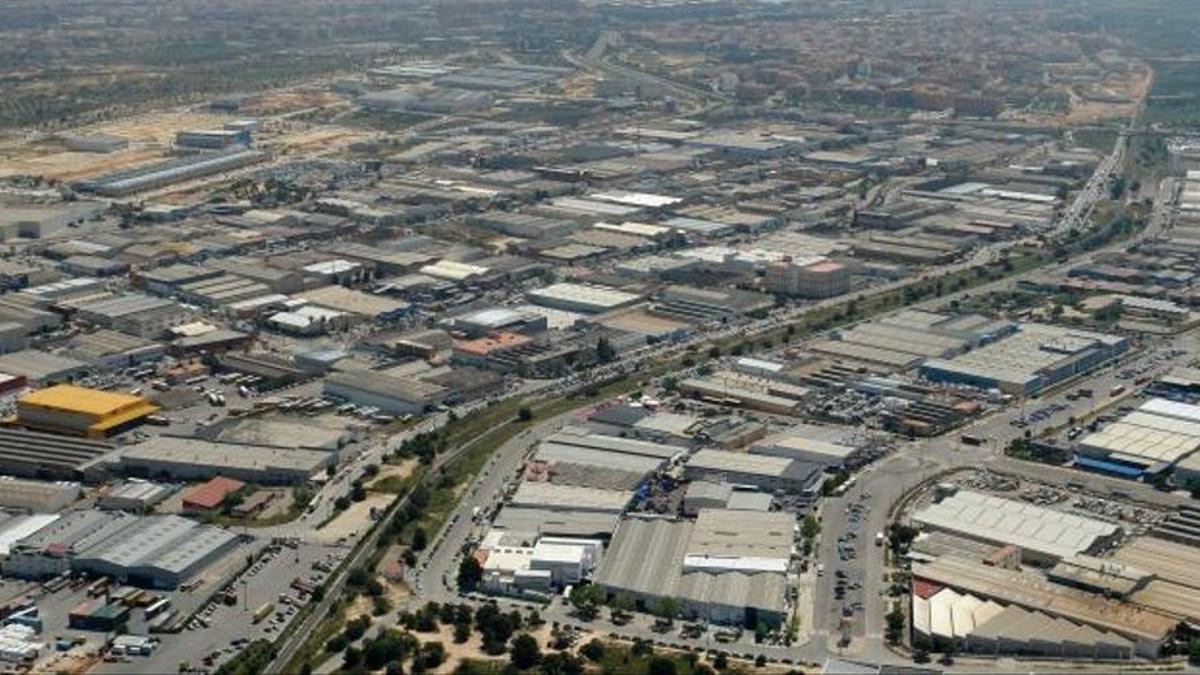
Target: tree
(1194, 650)
(462, 632)
(433, 654)
(524, 652)
(810, 528)
(721, 662)
(525, 414)
(660, 665)
(351, 657)
(470, 573)
(585, 598)
(561, 664)
(668, 608)
(604, 350)
(420, 539)
(760, 661)
(593, 650)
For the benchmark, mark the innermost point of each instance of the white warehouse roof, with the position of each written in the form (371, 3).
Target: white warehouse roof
(1005, 521)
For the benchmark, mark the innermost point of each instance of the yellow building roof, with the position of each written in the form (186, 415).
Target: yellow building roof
(82, 400)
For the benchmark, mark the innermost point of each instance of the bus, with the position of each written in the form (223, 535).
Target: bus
(263, 612)
(968, 439)
(157, 607)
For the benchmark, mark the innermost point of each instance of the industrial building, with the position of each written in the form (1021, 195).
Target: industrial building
(212, 139)
(807, 449)
(1043, 535)
(155, 551)
(694, 304)
(1034, 358)
(180, 458)
(1145, 629)
(142, 315)
(79, 411)
(34, 454)
(586, 298)
(124, 183)
(532, 522)
(37, 496)
(743, 390)
(134, 495)
(42, 368)
(821, 279)
(570, 497)
(725, 567)
(1159, 435)
(770, 474)
(396, 395)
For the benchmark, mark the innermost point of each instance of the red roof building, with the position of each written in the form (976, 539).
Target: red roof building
(210, 495)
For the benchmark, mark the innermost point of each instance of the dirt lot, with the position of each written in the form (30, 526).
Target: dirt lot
(355, 518)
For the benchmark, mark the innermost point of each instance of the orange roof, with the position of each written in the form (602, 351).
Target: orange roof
(210, 495)
(825, 266)
(486, 345)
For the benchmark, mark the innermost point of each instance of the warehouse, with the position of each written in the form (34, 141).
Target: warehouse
(37, 496)
(570, 498)
(134, 496)
(701, 304)
(41, 368)
(141, 315)
(79, 411)
(754, 393)
(167, 280)
(647, 561)
(110, 349)
(986, 627)
(1147, 630)
(396, 395)
(222, 291)
(156, 551)
(166, 173)
(210, 495)
(15, 528)
(40, 455)
(48, 550)
(1158, 435)
(806, 449)
(377, 308)
(1043, 535)
(771, 474)
(179, 458)
(479, 323)
(586, 298)
(523, 224)
(533, 522)
(1037, 356)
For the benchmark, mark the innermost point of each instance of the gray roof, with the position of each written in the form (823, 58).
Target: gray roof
(399, 388)
(158, 543)
(563, 523)
(646, 558)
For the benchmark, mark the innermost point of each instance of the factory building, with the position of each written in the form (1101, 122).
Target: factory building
(156, 551)
(805, 449)
(396, 395)
(770, 474)
(701, 304)
(727, 567)
(79, 411)
(748, 391)
(1158, 435)
(124, 183)
(37, 496)
(585, 298)
(212, 139)
(42, 368)
(189, 459)
(823, 279)
(136, 314)
(52, 456)
(134, 496)
(482, 322)
(570, 497)
(1043, 535)
(210, 495)
(1036, 357)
